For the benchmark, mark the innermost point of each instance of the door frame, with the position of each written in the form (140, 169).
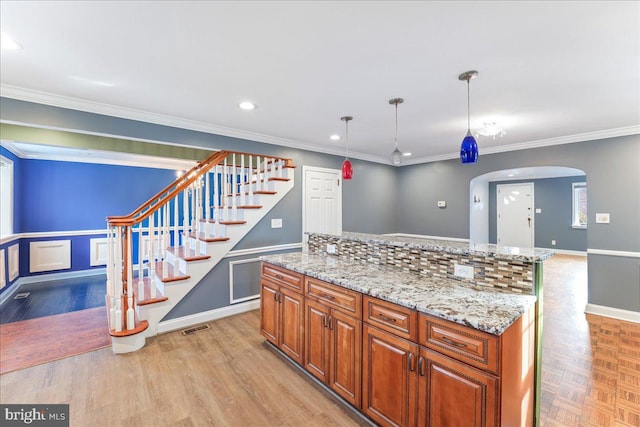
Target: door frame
(338, 175)
(532, 214)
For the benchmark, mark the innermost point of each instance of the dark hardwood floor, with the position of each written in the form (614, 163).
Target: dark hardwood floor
(55, 297)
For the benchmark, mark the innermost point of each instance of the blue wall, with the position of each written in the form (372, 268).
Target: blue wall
(59, 196)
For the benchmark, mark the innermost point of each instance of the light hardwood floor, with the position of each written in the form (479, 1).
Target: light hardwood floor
(227, 376)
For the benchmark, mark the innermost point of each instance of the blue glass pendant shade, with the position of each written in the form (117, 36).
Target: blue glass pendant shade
(469, 149)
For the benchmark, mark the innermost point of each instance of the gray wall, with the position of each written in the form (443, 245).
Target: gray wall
(612, 167)
(554, 197)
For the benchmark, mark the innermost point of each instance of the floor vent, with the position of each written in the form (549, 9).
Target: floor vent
(195, 329)
(22, 295)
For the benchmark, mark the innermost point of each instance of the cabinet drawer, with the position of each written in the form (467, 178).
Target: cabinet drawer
(334, 296)
(391, 317)
(282, 276)
(463, 343)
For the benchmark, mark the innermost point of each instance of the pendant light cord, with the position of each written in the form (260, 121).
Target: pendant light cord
(396, 138)
(347, 144)
(468, 108)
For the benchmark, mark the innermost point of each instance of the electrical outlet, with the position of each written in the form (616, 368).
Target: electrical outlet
(276, 223)
(553, 243)
(464, 271)
(331, 249)
(442, 204)
(538, 210)
(603, 218)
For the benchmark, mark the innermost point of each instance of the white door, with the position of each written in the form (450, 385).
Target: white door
(515, 215)
(322, 201)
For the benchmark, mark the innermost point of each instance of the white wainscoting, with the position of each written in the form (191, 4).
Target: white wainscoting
(3, 278)
(232, 299)
(14, 262)
(49, 255)
(98, 251)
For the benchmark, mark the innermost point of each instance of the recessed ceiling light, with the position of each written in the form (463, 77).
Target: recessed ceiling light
(247, 105)
(7, 43)
(335, 137)
(510, 175)
(406, 154)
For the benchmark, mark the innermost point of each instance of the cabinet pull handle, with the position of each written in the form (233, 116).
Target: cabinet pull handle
(411, 367)
(330, 319)
(275, 296)
(421, 366)
(324, 321)
(385, 318)
(454, 343)
(279, 276)
(329, 297)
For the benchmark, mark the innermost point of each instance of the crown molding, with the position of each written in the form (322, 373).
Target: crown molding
(30, 95)
(39, 97)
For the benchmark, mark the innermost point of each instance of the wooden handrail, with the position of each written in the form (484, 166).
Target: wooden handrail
(197, 171)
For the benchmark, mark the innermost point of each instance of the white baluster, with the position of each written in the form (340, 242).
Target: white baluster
(111, 277)
(216, 201)
(207, 203)
(140, 253)
(130, 316)
(151, 263)
(176, 225)
(234, 179)
(243, 198)
(165, 262)
(259, 183)
(185, 217)
(225, 178)
(250, 195)
(118, 269)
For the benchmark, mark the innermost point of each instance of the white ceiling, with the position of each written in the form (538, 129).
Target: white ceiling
(549, 72)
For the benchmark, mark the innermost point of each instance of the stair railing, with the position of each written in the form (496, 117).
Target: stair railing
(196, 204)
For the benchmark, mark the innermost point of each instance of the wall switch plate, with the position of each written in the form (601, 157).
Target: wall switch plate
(331, 249)
(464, 271)
(276, 222)
(538, 210)
(603, 218)
(553, 243)
(442, 204)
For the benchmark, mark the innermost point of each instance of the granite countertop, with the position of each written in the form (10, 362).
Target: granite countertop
(482, 308)
(448, 246)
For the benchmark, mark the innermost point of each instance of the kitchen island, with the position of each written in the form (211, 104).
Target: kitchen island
(402, 340)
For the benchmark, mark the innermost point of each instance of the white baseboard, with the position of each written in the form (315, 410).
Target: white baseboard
(614, 313)
(207, 316)
(564, 251)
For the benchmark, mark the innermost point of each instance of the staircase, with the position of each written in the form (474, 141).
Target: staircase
(160, 251)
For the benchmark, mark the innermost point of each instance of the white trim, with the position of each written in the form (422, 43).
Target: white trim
(13, 261)
(563, 251)
(207, 316)
(47, 278)
(98, 251)
(569, 139)
(253, 251)
(38, 235)
(49, 255)
(422, 236)
(7, 192)
(613, 253)
(243, 299)
(338, 174)
(614, 313)
(3, 274)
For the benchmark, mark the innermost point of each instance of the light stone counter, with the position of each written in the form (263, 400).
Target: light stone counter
(448, 246)
(483, 308)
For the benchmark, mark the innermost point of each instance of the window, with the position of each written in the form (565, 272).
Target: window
(579, 191)
(6, 197)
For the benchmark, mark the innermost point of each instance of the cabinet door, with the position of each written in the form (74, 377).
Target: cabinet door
(389, 378)
(292, 324)
(346, 357)
(269, 312)
(317, 339)
(455, 394)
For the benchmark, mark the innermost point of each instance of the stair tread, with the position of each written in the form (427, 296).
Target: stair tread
(238, 207)
(146, 297)
(172, 275)
(187, 254)
(205, 238)
(239, 222)
(255, 192)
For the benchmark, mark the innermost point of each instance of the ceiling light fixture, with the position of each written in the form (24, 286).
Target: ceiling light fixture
(469, 146)
(247, 105)
(7, 43)
(491, 129)
(396, 156)
(335, 137)
(347, 167)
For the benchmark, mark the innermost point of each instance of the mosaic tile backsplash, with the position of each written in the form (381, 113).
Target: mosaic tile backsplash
(513, 273)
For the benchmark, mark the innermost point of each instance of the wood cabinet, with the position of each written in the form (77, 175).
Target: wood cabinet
(389, 378)
(333, 347)
(400, 367)
(282, 313)
(452, 393)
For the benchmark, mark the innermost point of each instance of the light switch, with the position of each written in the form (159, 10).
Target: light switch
(276, 222)
(538, 210)
(602, 218)
(442, 204)
(331, 249)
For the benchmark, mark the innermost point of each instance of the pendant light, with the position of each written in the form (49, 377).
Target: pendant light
(396, 156)
(347, 168)
(469, 146)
